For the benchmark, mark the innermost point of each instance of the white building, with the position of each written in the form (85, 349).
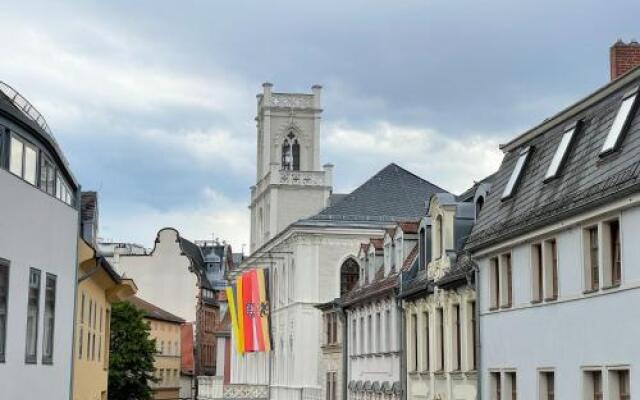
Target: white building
(39, 230)
(558, 257)
(305, 236)
(165, 276)
(374, 318)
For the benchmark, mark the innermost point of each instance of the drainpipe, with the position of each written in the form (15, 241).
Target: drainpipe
(345, 351)
(476, 271)
(403, 351)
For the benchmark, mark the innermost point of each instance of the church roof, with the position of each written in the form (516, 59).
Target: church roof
(393, 194)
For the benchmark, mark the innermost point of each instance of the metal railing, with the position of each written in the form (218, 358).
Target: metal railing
(25, 106)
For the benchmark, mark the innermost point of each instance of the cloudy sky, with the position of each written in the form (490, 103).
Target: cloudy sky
(153, 101)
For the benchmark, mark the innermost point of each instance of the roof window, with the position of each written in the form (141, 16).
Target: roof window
(620, 123)
(517, 172)
(562, 151)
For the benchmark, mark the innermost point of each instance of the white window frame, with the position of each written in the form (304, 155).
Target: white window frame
(620, 123)
(562, 151)
(516, 174)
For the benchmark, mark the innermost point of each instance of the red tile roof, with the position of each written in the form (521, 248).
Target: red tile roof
(378, 244)
(409, 226)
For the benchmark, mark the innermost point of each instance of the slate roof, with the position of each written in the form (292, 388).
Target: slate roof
(584, 182)
(411, 258)
(154, 312)
(393, 194)
(193, 252)
(469, 194)
(458, 273)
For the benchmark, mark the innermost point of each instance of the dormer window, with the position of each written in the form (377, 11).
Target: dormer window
(291, 153)
(517, 173)
(561, 152)
(620, 123)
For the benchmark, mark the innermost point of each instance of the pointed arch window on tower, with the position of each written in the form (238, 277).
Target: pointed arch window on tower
(291, 153)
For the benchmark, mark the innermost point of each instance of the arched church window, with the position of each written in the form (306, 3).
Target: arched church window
(349, 275)
(291, 153)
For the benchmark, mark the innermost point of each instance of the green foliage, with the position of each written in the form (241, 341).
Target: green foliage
(131, 354)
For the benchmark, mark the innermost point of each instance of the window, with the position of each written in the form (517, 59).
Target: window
(80, 343)
(537, 283)
(426, 342)
(291, 153)
(494, 282)
(511, 382)
(30, 164)
(63, 192)
(107, 336)
(32, 316)
(611, 253)
(23, 160)
(49, 318)
(348, 275)
(457, 331)
(496, 386)
(82, 309)
(361, 335)
(414, 342)
(594, 385)
(47, 176)
(620, 123)
(506, 287)
(4, 294)
(331, 385)
(354, 347)
(516, 174)
(479, 205)
(561, 152)
(378, 332)
(551, 269)
(474, 339)
(387, 321)
(547, 385)
(592, 250)
(440, 338)
(619, 385)
(16, 157)
(369, 335)
(423, 248)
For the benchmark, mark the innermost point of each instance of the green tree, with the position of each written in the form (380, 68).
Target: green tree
(131, 354)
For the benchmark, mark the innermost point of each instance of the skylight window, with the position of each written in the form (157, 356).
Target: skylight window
(620, 123)
(517, 172)
(561, 152)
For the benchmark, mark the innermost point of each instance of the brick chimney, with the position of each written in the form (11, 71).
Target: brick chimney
(624, 57)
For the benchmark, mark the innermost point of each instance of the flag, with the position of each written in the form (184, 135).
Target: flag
(231, 301)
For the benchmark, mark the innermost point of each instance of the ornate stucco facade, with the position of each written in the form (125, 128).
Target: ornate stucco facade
(439, 302)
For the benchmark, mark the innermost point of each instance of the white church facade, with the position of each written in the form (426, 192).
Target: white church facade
(308, 238)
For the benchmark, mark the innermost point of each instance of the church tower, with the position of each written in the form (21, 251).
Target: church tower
(290, 184)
